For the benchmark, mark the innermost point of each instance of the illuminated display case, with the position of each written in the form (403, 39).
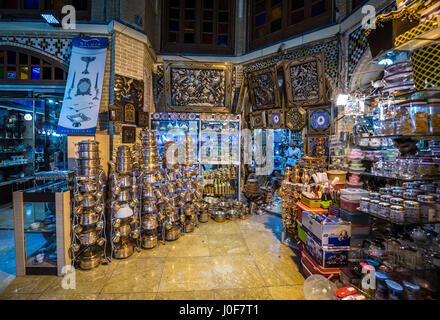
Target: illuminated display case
(218, 146)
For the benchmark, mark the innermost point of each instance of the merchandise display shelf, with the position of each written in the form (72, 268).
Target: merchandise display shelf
(397, 223)
(5, 183)
(433, 178)
(416, 136)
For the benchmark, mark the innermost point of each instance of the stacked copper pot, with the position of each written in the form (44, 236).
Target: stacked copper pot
(172, 223)
(151, 217)
(88, 219)
(125, 228)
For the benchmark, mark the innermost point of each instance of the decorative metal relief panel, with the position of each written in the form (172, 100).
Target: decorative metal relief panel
(296, 119)
(276, 118)
(258, 120)
(192, 87)
(319, 121)
(129, 91)
(263, 86)
(305, 81)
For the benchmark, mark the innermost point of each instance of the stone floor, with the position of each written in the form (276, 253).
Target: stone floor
(231, 261)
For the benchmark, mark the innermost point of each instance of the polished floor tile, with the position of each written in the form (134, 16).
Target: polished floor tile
(20, 296)
(264, 242)
(186, 295)
(243, 294)
(287, 292)
(188, 274)
(233, 244)
(189, 245)
(224, 228)
(127, 296)
(236, 272)
(30, 284)
(139, 275)
(161, 251)
(68, 296)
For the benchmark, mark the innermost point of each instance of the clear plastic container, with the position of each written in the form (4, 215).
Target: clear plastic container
(412, 211)
(349, 205)
(412, 290)
(396, 201)
(428, 212)
(374, 206)
(365, 204)
(435, 115)
(386, 198)
(395, 290)
(384, 209)
(397, 214)
(420, 117)
(381, 286)
(404, 124)
(374, 196)
(354, 194)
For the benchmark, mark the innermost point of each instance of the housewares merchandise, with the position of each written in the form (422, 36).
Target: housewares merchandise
(88, 220)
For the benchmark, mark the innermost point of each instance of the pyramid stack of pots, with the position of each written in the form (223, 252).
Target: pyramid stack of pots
(88, 219)
(172, 223)
(151, 217)
(125, 227)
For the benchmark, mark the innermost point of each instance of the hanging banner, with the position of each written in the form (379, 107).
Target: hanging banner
(82, 98)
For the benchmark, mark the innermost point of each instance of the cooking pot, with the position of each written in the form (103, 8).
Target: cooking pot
(88, 186)
(148, 193)
(89, 237)
(124, 181)
(87, 146)
(149, 179)
(88, 171)
(90, 261)
(172, 234)
(123, 251)
(124, 230)
(189, 227)
(88, 201)
(219, 216)
(123, 212)
(149, 223)
(233, 215)
(88, 163)
(124, 196)
(149, 208)
(85, 155)
(149, 241)
(150, 167)
(88, 218)
(211, 200)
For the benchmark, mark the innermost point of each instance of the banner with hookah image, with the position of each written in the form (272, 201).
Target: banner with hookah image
(82, 98)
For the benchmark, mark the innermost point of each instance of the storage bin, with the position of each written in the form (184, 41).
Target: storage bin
(354, 194)
(355, 217)
(350, 205)
(312, 203)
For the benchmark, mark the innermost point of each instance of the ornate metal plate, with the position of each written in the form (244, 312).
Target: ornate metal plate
(258, 120)
(263, 89)
(128, 90)
(305, 82)
(296, 119)
(276, 118)
(129, 113)
(319, 121)
(128, 134)
(198, 87)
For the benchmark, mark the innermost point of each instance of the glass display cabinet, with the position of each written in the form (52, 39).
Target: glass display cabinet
(42, 229)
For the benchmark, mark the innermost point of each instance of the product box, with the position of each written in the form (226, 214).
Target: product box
(329, 234)
(325, 256)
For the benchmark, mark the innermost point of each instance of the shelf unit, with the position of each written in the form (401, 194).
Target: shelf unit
(397, 178)
(397, 223)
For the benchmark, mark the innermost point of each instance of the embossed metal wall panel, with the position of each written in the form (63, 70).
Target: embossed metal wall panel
(263, 91)
(198, 87)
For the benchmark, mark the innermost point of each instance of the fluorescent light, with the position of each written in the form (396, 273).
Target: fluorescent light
(386, 62)
(51, 101)
(342, 100)
(51, 19)
(28, 117)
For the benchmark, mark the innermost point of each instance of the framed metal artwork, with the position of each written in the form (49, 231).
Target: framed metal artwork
(198, 87)
(128, 134)
(115, 113)
(305, 81)
(142, 119)
(263, 89)
(129, 91)
(296, 119)
(276, 118)
(258, 120)
(319, 121)
(129, 113)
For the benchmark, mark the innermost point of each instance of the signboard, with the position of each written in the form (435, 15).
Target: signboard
(82, 98)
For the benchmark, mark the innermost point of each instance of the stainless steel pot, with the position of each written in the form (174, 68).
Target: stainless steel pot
(90, 261)
(150, 167)
(86, 155)
(204, 217)
(87, 145)
(124, 181)
(149, 179)
(189, 227)
(124, 167)
(89, 237)
(148, 193)
(124, 196)
(219, 216)
(149, 242)
(87, 172)
(88, 163)
(233, 215)
(172, 234)
(88, 201)
(124, 230)
(149, 223)
(89, 218)
(124, 251)
(87, 186)
(149, 208)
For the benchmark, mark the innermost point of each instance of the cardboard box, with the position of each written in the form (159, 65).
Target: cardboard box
(325, 256)
(330, 234)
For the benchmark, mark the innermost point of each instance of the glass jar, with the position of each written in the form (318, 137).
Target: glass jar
(428, 188)
(396, 201)
(404, 124)
(427, 169)
(386, 198)
(374, 196)
(411, 194)
(428, 213)
(374, 206)
(385, 191)
(435, 115)
(381, 286)
(365, 204)
(411, 290)
(420, 118)
(384, 209)
(397, 214)
(398, 193)
(395, 290)
(412, 211)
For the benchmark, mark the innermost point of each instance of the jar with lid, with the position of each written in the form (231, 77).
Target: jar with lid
(386, 198)
(384, 209)
(397, 214)
(435, 115)
(427, 169)
(381, 286)
(428, 188)
(410, 194)
(374, 196)
(374, 206)
(428, 212)
(411, 290)
(365, 204)
(395, 290)
(412, 211)
(420, 118)
(398, 193)
(384, 191)
(396, 201)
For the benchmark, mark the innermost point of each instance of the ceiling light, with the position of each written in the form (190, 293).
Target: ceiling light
(51, 19)
(342, 100)
(386, 62)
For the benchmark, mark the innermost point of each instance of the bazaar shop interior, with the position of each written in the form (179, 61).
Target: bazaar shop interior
(220, 150)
